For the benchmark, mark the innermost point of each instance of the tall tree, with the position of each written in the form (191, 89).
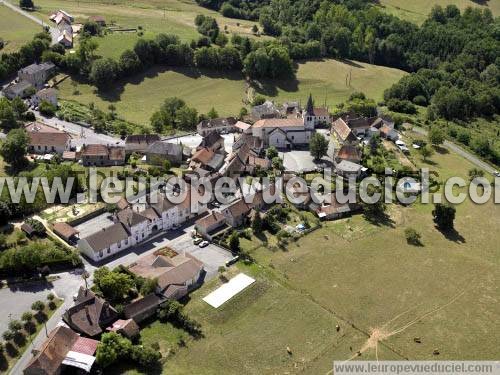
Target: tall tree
(318, 146)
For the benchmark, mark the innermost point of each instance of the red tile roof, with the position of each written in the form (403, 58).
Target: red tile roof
(279, 122)
(85, 345)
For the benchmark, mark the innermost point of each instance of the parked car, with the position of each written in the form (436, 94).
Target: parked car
(204, 244)
(197, 241)
(496, 174)
(232, 261)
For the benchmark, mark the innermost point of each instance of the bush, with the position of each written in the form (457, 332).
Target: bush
(38, 306)
(420, 100)
(402, 106)
(27, 316)
(47, 109)
(52, 305)
(412, 236)
(51, 296)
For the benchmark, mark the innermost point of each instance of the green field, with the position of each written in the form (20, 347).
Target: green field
(139, 97)
(15, 29)
(417, 11)
(381, 291)
(153, 16)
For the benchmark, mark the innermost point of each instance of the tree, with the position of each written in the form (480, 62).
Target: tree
(38, 306)
(27, 316)
(475, 172)
(91, 28)
(149, 286)
(8, 335)
(129, 63)
(444, 216)
(212, 113)
(318, 146)
(18, 107)
(271, 153)
(5, 213)
(234, 242)
(113, 285)
(47, 109)
(7, 116)
(412, 236)
(426, 152)
(15, 326)
(15, 147)
(103, 72)
(187, 118)
(277, 163)
(436, 136)
(26, 4)
(257, 223)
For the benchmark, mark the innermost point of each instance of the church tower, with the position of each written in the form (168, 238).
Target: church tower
(308, 114)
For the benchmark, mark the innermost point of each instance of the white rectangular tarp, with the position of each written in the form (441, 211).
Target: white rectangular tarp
(228, 290)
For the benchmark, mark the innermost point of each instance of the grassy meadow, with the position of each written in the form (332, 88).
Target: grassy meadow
(137, 98)
(382, 292)
(15, 29)
(417, 11)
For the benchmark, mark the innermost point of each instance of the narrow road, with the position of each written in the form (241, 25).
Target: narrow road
(460, 151)
(54, 32)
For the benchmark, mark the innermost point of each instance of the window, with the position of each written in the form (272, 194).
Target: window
(293, 137)
(100, 254)
(109, 250)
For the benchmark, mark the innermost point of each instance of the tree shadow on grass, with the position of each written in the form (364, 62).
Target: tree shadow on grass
(441, 150)
(380, 219)
(115, 90)
(271, 87)
(41, 317)
(452, 235)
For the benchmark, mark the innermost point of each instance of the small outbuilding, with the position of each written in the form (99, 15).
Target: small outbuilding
(65, 231)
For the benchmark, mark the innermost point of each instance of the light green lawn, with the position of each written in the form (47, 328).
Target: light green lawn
(137, 98)
(15, 29)
(417, 11)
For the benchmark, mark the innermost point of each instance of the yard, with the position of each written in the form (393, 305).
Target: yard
(417, 11)
(15, 29)
(383, 293)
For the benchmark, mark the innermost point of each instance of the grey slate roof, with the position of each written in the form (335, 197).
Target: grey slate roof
(107, 237)
(34, 68)
(164, 148)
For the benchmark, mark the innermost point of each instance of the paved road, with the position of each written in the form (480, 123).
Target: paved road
(82, 134)
(459, 150)
(54, 32)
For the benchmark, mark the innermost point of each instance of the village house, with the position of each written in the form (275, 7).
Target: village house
(90, 314)
(20, 89)
(253, 142)
(159, 151)
(350, 153)
(243, 127)
(46, 139)
(63, 348)
(220, 125)
(127, 328)
(265, 110)
(236, 213)
(315, 115)
(330, 208)
(37, 74)
(60, 15)
(348, 169)
(212, 141)
(283, 133)
(140, 142)
(209, 225)
(389, 133)
(343, 132)
(102, 155)
(66, 38)
(206, 159)
(48, 95)
(143, 308)
(175, 276)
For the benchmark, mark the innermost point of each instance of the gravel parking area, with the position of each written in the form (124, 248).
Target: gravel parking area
(194, 140)
(212, 256)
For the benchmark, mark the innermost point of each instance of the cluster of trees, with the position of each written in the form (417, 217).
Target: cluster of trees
(172, 311)
(174, 114)
(113, 285)
(114, 348)
(35, 255)
(247, 10)
(29, 53)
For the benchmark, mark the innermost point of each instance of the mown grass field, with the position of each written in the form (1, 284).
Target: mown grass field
(366, 278)
(138, 98)
(15, 29)
(417, 11)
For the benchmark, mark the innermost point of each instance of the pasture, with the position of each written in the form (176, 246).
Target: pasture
(15, 29)
(382, 292)
(417, 11)
(137, 98)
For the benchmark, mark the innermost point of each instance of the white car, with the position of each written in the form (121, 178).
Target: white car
(496, 174)
(204, 244)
